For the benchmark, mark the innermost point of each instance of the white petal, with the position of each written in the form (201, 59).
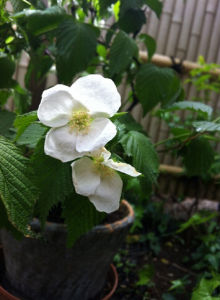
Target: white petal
(98, 94)
(56, 106)
(122, 167)
(108, 193)
(85, 176)
(100, 132)
(60, 143)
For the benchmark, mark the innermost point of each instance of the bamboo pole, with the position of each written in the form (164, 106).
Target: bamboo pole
(165, 61)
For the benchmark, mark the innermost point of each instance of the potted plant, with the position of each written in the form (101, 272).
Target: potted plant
(68, 164)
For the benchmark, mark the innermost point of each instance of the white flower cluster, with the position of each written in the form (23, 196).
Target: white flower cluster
(80, 128)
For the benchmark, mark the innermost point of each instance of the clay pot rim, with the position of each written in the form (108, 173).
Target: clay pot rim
(108, 228)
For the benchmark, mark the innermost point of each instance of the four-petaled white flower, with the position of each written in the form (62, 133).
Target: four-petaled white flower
(79, 116)
(97, 179)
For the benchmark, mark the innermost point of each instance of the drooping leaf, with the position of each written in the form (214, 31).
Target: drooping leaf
(80, 216)
(191, 105)
(23, 121)
(17, 191)
(7, 67)
(155, 5)
(202, 126)
(144, 156)
(76, 46)
(150, 44)
(121, 52)
(6, 122)
(32, 135)
(198, 157)
(53, 178)
(41, 21)
(206, 288)
(156, 85)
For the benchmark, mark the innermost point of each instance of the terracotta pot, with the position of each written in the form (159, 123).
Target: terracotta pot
(112, 280)
(45, 270)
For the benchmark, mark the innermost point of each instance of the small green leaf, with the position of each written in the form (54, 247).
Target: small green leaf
(132, 20)
(41, 21)
(6, 122)
(121, 52)
(23, 121)
(202, 126)
(198, 157)
(145, 275)
(156, 85)
(191, 105)
(206, 288)
(155, 5)
(150, 43)
(144, 156)
(32, 134)
(76, 46)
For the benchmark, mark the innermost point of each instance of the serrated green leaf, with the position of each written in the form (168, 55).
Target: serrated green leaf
(6, 122)
(80, 216)
(53, 178)
(202, 126)
(7, 67)
(144, 156)
(156, 85)
(17, 192)
(23, 121)
(150, 44)
(121, 52)
(32, 135)
(198, 157)
(193, 106)
(206, 288)
(41, 21)
(155, 5)
(76, 46)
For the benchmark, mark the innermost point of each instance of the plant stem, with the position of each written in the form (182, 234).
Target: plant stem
(170, 139)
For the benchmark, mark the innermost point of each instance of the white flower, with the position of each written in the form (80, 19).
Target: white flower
(97, 179)
(79, 116)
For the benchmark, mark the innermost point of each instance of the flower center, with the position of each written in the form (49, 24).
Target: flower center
(80, 120)
(102, 169)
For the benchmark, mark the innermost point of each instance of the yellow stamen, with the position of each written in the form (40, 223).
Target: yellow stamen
(80, 121)
(104, 170)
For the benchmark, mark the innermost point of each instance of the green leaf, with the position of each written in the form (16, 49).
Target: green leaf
(121, 52)
(150, 43)
(198, 157)
(76, 46)
(17, 192)
(4, 95)
(191, 105)
(144, 156)
(130, 123)
(155, 84)
(19, 5)
(155, 5)
(53, 178)
(206, 288)
(202, 126)
(7, 67)
(32, 134)
(41, 21)
(80, 216)
(132, 20)
(103, 6)
(23, 121)
(6, 122)
(145, 275)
